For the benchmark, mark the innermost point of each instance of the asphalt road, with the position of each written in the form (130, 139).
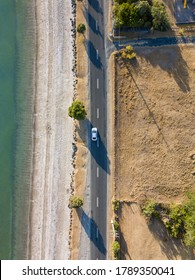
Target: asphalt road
(98, 150)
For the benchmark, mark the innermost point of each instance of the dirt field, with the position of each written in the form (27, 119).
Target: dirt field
(154, 139)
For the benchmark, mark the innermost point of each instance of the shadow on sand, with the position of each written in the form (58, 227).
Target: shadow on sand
(151, 114)
(171, 247)
(170, 61)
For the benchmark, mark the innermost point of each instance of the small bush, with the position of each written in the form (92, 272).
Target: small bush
(81, 28)
(128, 53)
(149, 209)
(75, 202)
(116, 225)
(116, 204)
(181, 31)
(116, 249)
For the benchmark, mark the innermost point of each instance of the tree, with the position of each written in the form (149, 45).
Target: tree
(75, 202)
(77, 110)
(160, 19)
(81, 28)
(143, 8)
(140, 13)
(149, 209)
(125, 15)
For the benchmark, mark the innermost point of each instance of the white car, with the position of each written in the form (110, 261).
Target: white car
(94, 134)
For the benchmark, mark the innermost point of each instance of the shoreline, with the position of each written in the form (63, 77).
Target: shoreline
(52, 169)
(24, 35)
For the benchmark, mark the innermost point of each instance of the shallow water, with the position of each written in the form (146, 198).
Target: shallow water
(17, 46)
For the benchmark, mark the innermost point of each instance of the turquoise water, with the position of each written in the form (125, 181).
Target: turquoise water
(17, 45)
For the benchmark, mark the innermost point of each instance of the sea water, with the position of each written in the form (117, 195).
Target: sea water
(17, 73)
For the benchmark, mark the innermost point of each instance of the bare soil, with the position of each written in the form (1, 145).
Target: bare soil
(147, 242)
(154, 142)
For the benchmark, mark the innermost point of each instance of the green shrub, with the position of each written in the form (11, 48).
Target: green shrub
(140, 13)
(116, 204)
(128, 53)
(81, 28)
(116, 225)
(75, 202)
(180, 219)
(160, 19)
(181, 31)
(149, 208)
(175, 225)
(77, 110)
(116, 249)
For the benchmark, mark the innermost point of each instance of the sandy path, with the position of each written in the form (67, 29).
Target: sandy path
(53, 133)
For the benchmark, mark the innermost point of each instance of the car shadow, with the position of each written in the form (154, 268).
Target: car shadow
(96, 6)
(92, 230)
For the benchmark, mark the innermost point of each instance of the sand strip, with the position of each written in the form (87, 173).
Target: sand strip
(53, 132)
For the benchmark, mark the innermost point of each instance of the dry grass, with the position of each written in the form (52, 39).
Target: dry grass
(154, 126)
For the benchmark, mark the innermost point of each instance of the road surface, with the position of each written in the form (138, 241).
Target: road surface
(99, 158)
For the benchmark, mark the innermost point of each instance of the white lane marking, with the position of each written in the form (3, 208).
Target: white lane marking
(97, 54)
(97, 201)
(96, 25)
(97, 83)
(98, 143)
(98, 113)
(97, 233)
(98, 172)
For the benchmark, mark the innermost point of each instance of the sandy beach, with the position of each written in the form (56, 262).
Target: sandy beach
(53, 132)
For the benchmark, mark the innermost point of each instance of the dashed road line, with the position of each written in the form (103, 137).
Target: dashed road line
(97, 83)
(97, 201)
(98, 172)
(97, 54)
(98, 113)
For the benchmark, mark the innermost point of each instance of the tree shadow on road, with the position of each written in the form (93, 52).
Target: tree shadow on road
(92, 230)
(100, 153)
(91, 22)
(96, 6)
(92, 54)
